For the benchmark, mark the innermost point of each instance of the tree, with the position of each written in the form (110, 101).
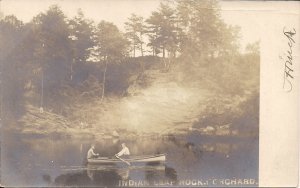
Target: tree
(153, 32)
(82, 41)
(111, 47)
(52, 51)
(135, 30)
(253, 48)
(205, 34)
(12, 67)
(163, 31)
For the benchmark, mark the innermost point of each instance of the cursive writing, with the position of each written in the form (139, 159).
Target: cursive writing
(288, 61)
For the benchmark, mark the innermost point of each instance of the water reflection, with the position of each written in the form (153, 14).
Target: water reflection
(45, 161)
(113, 175)
(123, 173)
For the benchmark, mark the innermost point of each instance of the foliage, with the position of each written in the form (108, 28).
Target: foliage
(205, 34)
(12, 66)
(111, 45)
(162, 30)
(81, 34)
(135, 30)
(63, 65)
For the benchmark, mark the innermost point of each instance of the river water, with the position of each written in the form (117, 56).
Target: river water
(192, 160)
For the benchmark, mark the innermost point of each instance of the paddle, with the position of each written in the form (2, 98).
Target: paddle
(123, 160)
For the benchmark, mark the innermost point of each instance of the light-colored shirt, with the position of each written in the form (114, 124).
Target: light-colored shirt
(91, 153)
(124, 151)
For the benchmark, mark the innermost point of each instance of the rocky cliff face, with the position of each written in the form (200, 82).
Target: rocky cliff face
(156, 102)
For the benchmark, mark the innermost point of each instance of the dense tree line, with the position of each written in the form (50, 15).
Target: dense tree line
(53, 57)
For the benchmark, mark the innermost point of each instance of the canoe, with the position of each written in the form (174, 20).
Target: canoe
(120, 168)
(132, 159)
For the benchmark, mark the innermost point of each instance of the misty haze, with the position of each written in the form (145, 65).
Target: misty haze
(175, 83)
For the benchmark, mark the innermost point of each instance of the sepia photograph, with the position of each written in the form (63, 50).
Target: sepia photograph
(128, 93)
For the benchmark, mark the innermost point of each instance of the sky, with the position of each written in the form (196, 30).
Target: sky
(248, 15)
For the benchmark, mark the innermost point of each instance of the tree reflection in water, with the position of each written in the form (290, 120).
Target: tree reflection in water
(112, 175)
(89, 178)
(155, 176)
(61, 162)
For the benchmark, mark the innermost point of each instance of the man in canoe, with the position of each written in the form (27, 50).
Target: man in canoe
(124, 152)
(91, 154)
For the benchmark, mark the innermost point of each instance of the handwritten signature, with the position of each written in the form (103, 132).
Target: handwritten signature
(288, 61)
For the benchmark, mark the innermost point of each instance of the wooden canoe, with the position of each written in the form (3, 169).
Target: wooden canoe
(132, 159)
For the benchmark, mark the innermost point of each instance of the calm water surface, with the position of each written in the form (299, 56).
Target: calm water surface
(191, 160)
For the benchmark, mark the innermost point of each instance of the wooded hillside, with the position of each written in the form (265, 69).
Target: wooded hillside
(178, 70)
